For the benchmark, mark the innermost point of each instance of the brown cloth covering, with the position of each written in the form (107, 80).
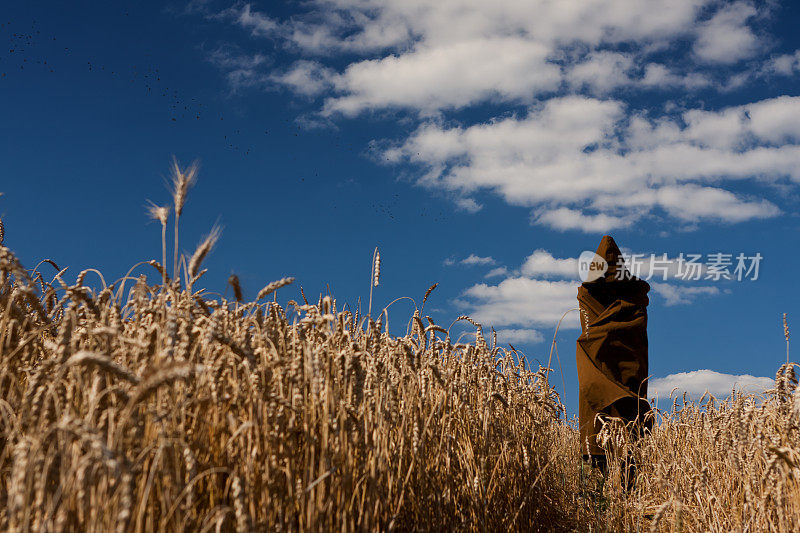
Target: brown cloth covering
(612, 349)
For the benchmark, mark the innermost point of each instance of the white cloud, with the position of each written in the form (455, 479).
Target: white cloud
(660, 76)
(498, 271)
(726, 38)
(468, 204)
(785, 64)
(690, 202)
(580, 163)
(377, 25)
(473, 259)
(601, 72)
(307, 78)
(434, 55)
(257, 23)
(447, 76)
(542, 263)
(768, 122)
(564, 219)
(515, 336)
(696, 382)
(681, 295)
(583, 165)
(520, 301)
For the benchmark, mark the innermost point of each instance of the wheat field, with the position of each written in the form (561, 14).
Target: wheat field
(151, 406)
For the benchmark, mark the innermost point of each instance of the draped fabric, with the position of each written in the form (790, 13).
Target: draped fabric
(612, 348)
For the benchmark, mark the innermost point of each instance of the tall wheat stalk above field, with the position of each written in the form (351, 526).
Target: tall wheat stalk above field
(374, 277)
(161, 213)
(786, 335)
(182, 181)
(203, 249)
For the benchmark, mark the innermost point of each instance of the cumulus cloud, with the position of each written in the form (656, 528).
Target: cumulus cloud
(696, 382)
(658, 75)
(256, 22)
(308, 78)
(726, 37)
(473, 259)
(601, 72)
(514, 336)
(305, 78)
(376, 25)
(468, 204)
(564, 218)
(526, 299)
(520, 301)
(498, 271)
(681, 295)
(575, 153)
(584, 164)
(542, 263)
(430, 55)
(784, 64)
(447, 76)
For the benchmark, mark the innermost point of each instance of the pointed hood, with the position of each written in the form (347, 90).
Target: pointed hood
(610, 252)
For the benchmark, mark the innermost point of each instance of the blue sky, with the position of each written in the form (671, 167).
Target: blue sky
(481, 145)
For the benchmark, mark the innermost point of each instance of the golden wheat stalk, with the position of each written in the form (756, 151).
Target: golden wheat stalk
(375, 276)
(161, 213)
(182, 181)
(274, 286)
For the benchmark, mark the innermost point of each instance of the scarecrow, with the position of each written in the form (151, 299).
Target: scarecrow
(612, 351)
